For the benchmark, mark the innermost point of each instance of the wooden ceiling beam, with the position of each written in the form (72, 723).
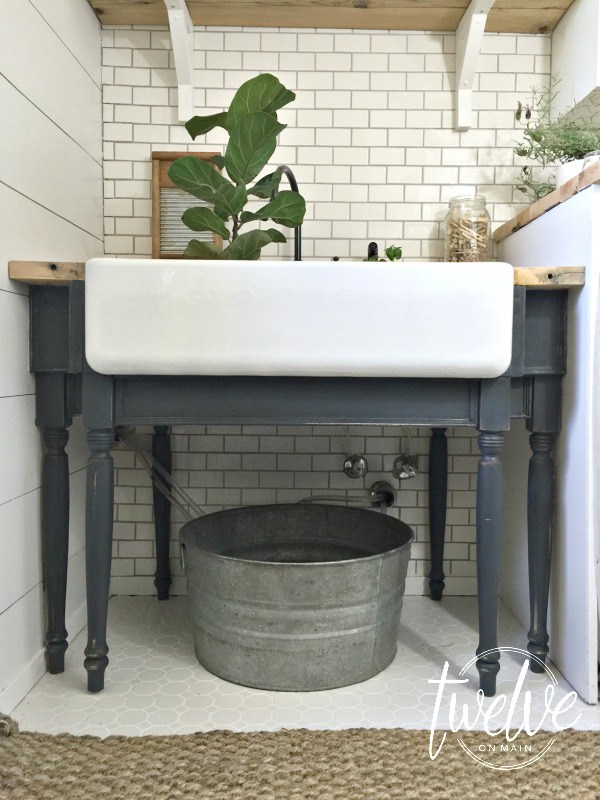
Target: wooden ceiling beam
(506, 16)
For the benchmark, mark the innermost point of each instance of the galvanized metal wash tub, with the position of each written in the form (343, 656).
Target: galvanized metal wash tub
(296, 597)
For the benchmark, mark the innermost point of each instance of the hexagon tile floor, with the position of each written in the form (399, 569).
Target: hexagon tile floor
(156, 686)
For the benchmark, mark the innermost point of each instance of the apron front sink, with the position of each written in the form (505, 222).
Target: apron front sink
(312, 318)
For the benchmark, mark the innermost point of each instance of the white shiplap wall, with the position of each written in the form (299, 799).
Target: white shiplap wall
(50, 207)
(371, 141)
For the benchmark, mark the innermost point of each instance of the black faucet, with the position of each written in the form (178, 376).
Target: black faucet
(285, 170)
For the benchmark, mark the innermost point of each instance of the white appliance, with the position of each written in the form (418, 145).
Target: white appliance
(567, 235)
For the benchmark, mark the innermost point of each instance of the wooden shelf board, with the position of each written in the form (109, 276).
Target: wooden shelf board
(549, 277)
(577, 184)
(61, 273)
(506, 16)
(51, 273)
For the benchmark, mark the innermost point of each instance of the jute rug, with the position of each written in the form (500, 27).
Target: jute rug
(288, 765)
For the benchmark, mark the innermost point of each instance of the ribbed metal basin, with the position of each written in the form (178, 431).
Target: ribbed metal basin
(296, 597)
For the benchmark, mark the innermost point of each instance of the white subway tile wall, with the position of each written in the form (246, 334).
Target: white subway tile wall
(370, 138)
(225, 466)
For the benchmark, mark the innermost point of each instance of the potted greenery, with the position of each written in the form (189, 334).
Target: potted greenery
(551, 141)
(393, 253)
(252, 124)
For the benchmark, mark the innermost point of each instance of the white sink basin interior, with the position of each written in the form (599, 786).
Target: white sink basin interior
(311, 318)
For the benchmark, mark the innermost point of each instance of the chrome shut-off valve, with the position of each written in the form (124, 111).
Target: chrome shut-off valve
(405, 466)
(356, 466)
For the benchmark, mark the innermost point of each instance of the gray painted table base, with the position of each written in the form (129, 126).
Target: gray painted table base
(438, 489)
(66, 386)
(55, 507)
(161, 450)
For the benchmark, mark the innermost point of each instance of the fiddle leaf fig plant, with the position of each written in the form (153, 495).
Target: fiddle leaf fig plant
(252, 124)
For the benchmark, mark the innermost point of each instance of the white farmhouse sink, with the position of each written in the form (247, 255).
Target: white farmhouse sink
(320, 318)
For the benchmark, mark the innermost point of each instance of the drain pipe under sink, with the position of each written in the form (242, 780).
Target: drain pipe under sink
(381, 496)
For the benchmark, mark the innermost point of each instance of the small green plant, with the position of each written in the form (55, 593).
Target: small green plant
(393, 253)
(252, 124)
(551, 142)
(534, 189)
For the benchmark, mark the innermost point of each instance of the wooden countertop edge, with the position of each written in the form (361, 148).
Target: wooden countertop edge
(549, 277)
(577, 184)
(50, 273)
(61, 273)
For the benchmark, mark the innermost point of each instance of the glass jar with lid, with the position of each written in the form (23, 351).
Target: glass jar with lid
(467, 229)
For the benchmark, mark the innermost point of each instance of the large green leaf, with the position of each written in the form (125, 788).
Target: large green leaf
(230, 199)
(265, 187)
(262, 93)
(283, 97)
(203, 219)
(197, 177)
(246, 216)
(203, 250)
(198, 126)
(247, 246)
(251, 145)
(286, 208)
(222, 212)
(218, 160)
(276, 236)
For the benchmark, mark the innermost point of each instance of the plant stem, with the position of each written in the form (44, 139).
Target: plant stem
(236, 226)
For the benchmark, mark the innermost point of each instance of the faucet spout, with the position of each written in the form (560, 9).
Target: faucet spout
(285, 170)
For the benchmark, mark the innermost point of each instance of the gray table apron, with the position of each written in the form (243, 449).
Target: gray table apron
(66, 386)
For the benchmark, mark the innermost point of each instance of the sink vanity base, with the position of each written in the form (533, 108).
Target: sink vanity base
(67, 386)
(438, 489)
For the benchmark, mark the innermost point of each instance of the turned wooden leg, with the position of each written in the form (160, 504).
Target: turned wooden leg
(55, 540)
(438, 485)
(161, 450)
(98, 534)
(540, 508)
(490, 502)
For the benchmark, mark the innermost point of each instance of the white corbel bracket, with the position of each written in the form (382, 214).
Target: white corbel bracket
(469, 36)
(182, 39)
